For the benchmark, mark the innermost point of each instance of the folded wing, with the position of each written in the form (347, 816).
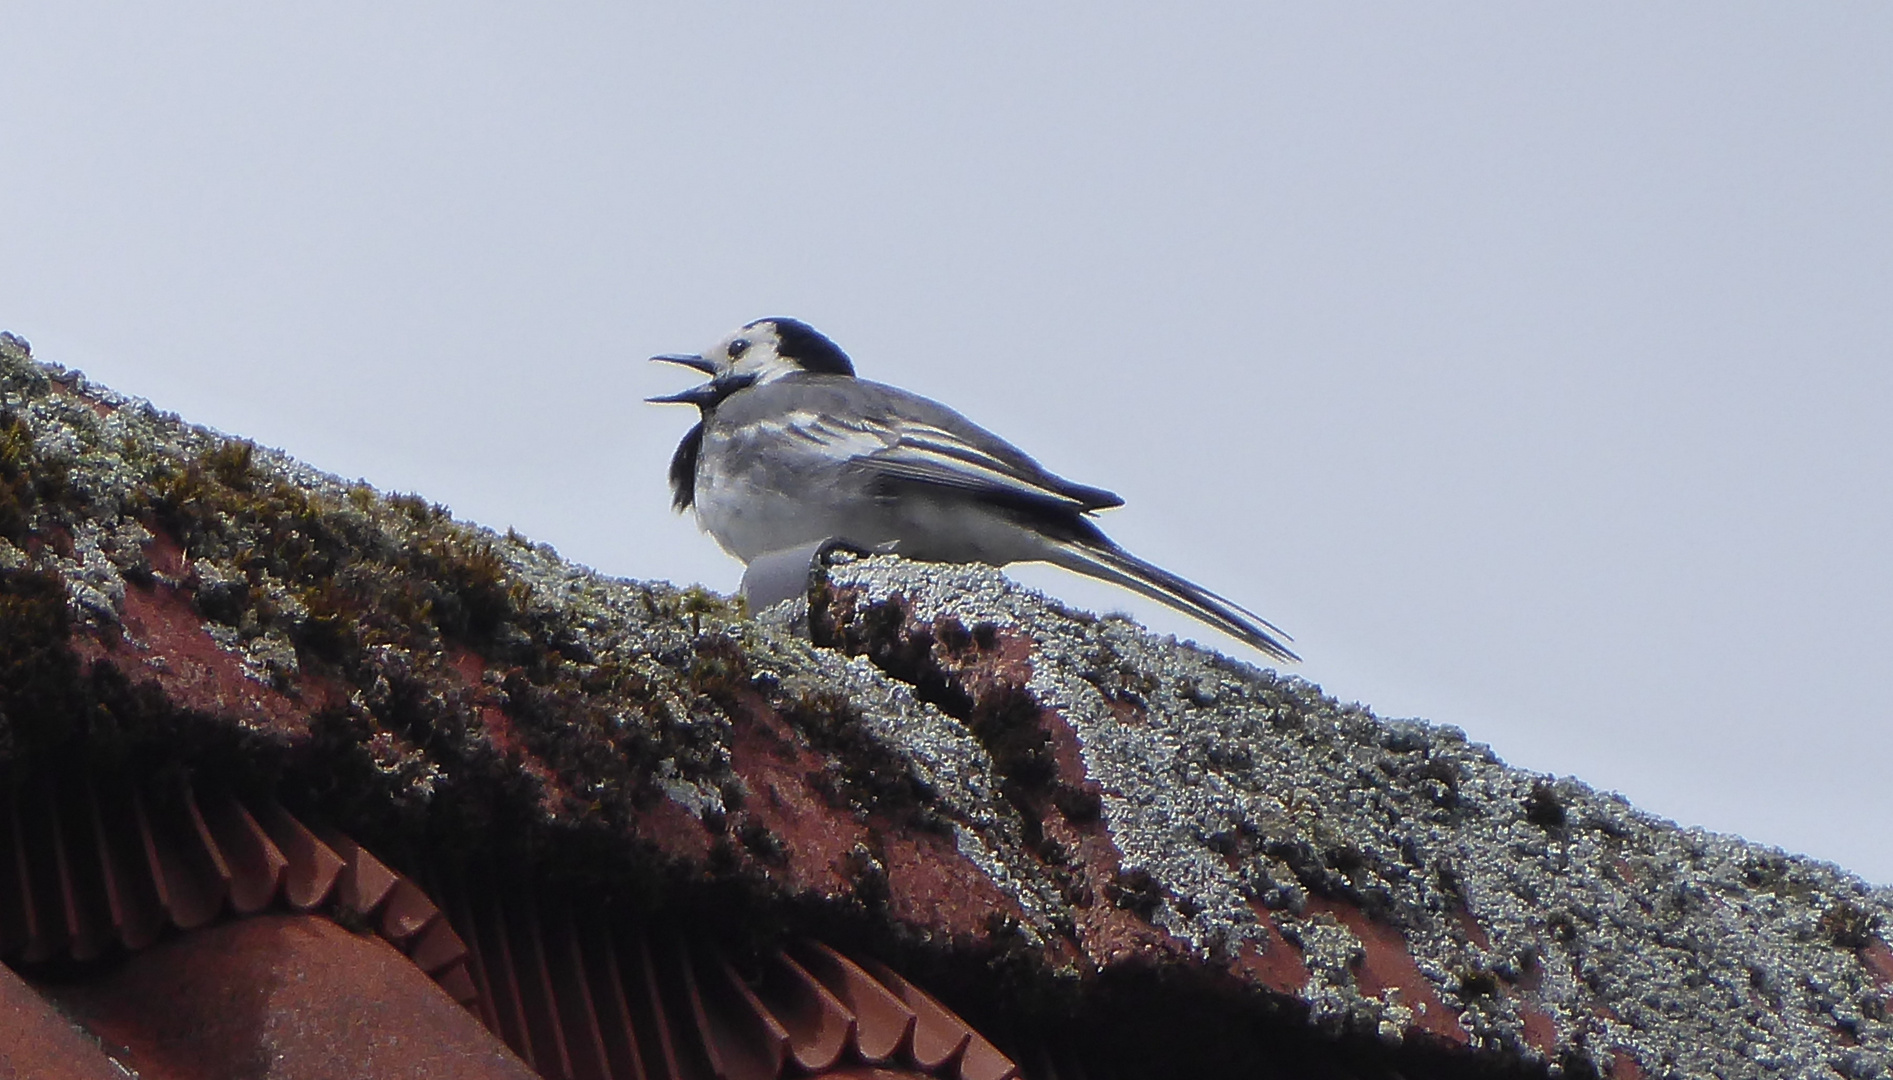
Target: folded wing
(899, 452)
(930, 455)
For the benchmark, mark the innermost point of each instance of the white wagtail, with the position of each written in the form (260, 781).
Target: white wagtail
(793, 449)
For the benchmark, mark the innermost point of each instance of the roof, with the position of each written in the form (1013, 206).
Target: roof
(1107, 851)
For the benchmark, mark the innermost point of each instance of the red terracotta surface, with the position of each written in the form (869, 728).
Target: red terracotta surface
(1541, 1030)
(472, 669)
(1474, 929)
(1109, 934)
(1537, 1024)
(673, 830)
(776, 764)
(255, 863)
(927, 880)
(287, 997)
(36, 1043)
(1089, 861)
(883, 1024)
(1388, 966)
(313, 867)
(1879, 961)
(164, 640)
(88, 866)
(583, 997)
(1278, 966)
(1623, 1066)
(819, 1026)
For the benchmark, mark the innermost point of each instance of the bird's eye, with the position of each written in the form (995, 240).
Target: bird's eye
(738, 348)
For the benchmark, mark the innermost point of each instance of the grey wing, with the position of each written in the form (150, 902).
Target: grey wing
(934, 457)
(901, 441)
(931, 446)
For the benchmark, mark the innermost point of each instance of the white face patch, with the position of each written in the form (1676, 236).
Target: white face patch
(761, 358)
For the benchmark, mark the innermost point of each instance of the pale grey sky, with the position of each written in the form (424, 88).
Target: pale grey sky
(1531, 364)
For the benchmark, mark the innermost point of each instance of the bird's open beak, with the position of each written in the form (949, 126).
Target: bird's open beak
(699, 395)
(689, 360)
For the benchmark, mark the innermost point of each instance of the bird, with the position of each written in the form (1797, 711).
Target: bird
(791, 449)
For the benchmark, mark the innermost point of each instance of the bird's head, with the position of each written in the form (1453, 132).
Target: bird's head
(760, 352)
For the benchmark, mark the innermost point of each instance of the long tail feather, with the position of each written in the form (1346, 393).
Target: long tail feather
(1107, 562)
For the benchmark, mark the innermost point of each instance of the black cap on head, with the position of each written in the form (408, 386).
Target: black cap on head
(808, 347)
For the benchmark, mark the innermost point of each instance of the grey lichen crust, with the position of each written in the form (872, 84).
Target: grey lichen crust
(1700, 954)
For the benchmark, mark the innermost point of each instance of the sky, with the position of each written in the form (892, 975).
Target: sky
(1532, 365)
